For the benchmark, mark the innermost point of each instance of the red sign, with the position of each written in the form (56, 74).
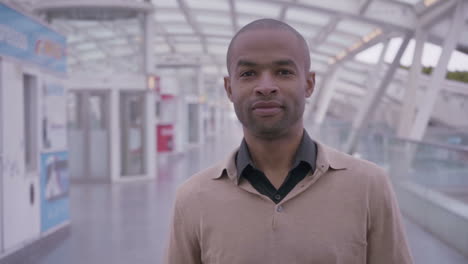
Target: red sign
(165, 136)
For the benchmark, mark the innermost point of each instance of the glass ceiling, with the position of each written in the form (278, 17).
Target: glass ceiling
(199, 31)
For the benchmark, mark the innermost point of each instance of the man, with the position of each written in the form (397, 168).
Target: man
(281, 197)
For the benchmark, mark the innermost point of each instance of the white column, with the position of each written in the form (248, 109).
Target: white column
(409, 98)
(371, 102)
(148, 34)
(438, 76)
(115, 150)
(149, 67)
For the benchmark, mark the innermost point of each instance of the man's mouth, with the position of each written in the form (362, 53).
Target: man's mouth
(267, 108)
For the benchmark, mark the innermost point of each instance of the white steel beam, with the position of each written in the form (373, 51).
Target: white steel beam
(325, 31)
(371, 102)
(319, 90)
(364, 7)
(326, 96)
(188, 16)
(409, 98)
(437, 13)
(438, 76)
(344, 15)
(374, 77)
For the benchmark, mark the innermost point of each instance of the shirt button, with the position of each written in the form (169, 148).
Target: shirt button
(279, 209)
(277, 197)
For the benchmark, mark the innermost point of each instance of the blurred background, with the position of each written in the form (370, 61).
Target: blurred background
(107, 106)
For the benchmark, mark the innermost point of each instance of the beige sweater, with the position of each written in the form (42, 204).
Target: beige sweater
(345, 212)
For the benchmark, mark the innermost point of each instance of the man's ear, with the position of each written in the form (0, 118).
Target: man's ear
(310, 84)
(227, 87)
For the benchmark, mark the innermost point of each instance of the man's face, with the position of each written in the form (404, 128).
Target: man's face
(268, 82)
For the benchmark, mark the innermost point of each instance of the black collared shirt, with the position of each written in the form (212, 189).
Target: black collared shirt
(304, 162)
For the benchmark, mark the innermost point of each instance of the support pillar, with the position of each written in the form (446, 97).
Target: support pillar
(326, 96)
(371, 103)
(149, 69)
(438, 76)
(409, 99)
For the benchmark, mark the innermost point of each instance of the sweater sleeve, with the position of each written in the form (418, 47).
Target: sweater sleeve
(386, 239)
(183, 245)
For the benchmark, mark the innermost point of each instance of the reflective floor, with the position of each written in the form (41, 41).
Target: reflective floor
(127, 223)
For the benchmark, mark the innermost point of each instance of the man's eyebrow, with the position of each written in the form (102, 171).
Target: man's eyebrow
(246, 63)
(286, 62)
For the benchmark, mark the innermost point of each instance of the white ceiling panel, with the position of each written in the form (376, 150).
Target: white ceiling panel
(264, 9)
(307, 16)
(219, 5)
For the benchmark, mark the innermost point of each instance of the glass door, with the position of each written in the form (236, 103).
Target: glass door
(132, 133)
(88, 136)
(98, 136)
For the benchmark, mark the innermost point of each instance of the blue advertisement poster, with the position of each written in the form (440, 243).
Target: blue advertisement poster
(55, 187)
(23, 38)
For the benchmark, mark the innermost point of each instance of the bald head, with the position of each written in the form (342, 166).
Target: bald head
(270, 24)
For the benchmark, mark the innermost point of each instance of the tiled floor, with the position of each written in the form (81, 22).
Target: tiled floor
(127, 223)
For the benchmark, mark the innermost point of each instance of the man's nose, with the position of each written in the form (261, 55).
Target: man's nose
(266, 85)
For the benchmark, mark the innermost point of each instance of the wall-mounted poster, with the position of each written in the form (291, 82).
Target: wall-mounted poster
(54, 121)
(55, 186)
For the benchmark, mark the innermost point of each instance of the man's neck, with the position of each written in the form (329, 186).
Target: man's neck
(275, 156)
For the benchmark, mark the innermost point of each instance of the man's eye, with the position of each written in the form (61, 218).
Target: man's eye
(285, 72)
(247, 74)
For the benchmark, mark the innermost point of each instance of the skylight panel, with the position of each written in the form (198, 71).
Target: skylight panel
(169, 16)
(222, 41)
(262, 9)
(217, 49)
(210, 69)
(244, 20)
(347, 6)
(86, 46)
(101, 33)
(358, 28)
(192, 39)
(217, 30)
(75, 37)
(345, 40)
(92, 55)
(133, 28)
(305, 30)
(329, 50)
(165, 3)
(214, 19)
(178, 29)
(318, 66)
(219, 5)
(115, 42)
(189, 48)
(162, 48)
(319, 57)
(83, 23)
(121, 51)
(307, 16)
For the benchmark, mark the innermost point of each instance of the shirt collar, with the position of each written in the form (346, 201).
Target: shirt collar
(306, 152)
(326, 158)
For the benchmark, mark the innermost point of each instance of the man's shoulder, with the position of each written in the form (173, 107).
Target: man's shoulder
(352, 164)
(199, 182)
